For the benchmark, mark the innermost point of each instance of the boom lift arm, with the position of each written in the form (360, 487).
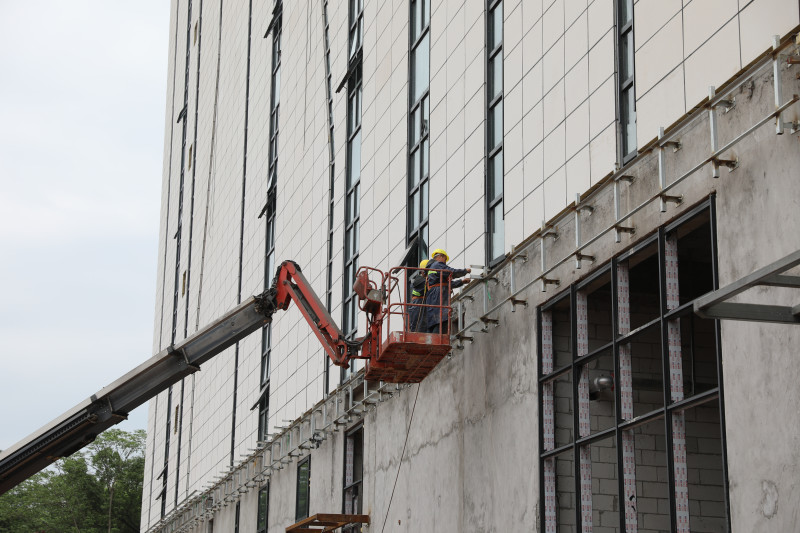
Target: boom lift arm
(80, 425)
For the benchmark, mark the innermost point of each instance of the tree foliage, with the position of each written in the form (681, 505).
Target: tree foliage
(98, 489)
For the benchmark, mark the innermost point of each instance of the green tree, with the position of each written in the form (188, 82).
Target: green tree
(96, 490)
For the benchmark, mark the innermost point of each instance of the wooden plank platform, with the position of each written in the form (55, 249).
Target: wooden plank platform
(322, 523)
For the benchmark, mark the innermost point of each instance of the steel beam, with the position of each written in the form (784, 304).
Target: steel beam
(716, 305)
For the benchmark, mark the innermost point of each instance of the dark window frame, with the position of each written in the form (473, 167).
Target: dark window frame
(667, 409)
(352, 197)
(626, 88)
(302, 511)
(494, 147)
(270, 211)
(262, 514)
(355, 484)
(418, 189)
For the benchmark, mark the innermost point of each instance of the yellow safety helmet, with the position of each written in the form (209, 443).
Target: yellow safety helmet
(423, 263)
(440, 251)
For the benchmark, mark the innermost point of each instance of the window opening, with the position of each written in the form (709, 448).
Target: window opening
(353, 476)
(419, 127)
(262, 518)
(352, 202)
(270, 212)
(625, 79)
(495, 243)
(303, 498)
(632, 434)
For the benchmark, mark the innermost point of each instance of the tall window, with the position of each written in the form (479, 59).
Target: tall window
(303, 489)
(331, 179)
(353, 184)
(625, 79)
(418, 130)
(270, 212)
(494, 131)
(353, 171)
(263, 397)
(262, 519)
(353, 475)
(275, 95)
(630, 381)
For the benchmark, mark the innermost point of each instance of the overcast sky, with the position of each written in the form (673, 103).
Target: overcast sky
(82, 93)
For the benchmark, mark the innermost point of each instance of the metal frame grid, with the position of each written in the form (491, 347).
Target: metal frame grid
(302, 508)
(262, 518)
(352, 488)
(675, 401)
(495, 168)
(626, 89)
(352, 200)
(270, 212)
(418, 126)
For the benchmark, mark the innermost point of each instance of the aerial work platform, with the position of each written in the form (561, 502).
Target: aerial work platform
(395, 357)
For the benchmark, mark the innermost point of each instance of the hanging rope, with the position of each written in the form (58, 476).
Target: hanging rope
(408, 430)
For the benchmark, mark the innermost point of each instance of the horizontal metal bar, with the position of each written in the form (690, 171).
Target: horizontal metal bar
(741, 285)
(638, 208)
(781, 281)
(779, 314)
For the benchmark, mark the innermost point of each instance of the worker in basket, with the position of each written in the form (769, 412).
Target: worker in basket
(416, 316)
(438, 285)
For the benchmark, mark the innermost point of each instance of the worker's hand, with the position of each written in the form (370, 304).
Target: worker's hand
(469, 270)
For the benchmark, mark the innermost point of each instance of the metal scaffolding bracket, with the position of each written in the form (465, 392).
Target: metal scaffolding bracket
(619, 229)
(715, 304)
(578, 209)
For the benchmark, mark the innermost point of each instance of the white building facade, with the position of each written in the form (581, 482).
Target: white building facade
(606, 162)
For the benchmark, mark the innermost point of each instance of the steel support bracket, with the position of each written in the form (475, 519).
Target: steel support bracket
(730, 164)
(625, 229)
(727, 104)
(517, 301)
(462, 338)
(674, 199)
(487, 320)
(675, 145)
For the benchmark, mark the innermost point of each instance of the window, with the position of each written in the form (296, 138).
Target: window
(631, 405)
(353, 174)
(263, 397)
(353, 475)
(352, 201)
(270, 211)
(356, 34)
(494, 132)
(418, 127)
(303, 489)
(236, 518)
(262, 519)
(275, 95)
(625, 79)
(331, 181)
